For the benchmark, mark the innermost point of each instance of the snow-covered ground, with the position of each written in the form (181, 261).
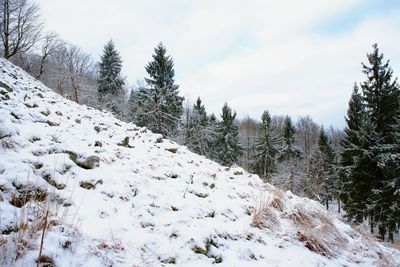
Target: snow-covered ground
(120, 195)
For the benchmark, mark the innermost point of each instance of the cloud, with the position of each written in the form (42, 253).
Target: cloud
(253, 54)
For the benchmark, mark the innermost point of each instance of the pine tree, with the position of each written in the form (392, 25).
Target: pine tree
(352, 149)
(227, 138)
(196, 129)
(110, 83)
(212, 137)
(362, 177)
(381, 95)
(289, 151)
(290, 154)
(159, 105)
(371, 156)
(267, 149)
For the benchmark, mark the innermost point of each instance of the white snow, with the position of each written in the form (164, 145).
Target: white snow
(154, 201)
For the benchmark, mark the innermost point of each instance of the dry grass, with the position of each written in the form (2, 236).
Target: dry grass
(31, 203)
(7, 143)
(316, 229)
(3, 241)
(312, 226)
(111, 251)
(29, 224)
(266, 212)
(265, 217)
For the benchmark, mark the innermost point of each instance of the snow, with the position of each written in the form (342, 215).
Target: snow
(153, 202)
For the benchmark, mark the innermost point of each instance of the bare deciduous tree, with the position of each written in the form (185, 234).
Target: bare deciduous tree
(248, 133)
(20, 26)
(307, 135)
(50, 43)
(71, 73)
(77, 66)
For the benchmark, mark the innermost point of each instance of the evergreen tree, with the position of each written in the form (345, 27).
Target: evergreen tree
(289, 151)
(289, 155)
(212, 137)
(352, 149)
(159, 105)
(381, 96)
(196, 136)
(110, 82)
(227, 138)
(370, 172)
(267, 149)
(362, 176)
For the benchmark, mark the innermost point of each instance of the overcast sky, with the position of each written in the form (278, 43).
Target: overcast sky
(294, 57)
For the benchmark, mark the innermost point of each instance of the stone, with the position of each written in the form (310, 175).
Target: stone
(90, 163)
(5, 86)
(125, 143)
(98, 143)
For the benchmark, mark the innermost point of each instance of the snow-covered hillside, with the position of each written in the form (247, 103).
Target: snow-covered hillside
(120, 195)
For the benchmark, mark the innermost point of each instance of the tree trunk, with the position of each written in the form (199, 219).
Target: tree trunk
(327, 204)
(291, 186)
(75, 88)
(371, 223)
(248, 153)
(338, 204)
(42, 62)
(382, 232)
(6, 25)
(391, 239)
(60, 89)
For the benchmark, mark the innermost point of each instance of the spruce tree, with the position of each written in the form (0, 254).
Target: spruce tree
(110, 83)
(290, 153)
(159, 104)
(289, 150)
(371, 157)
(381, 96)
(352, 149)
(196, 131)
(267, 149)
(212, 137)
(227, 138)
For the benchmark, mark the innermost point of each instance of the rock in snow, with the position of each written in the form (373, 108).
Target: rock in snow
(145, 201)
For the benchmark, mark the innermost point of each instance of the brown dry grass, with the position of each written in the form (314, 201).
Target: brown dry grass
(265, 217)
(317, 231)
(7, 143)
(28, 227)
(266, 211)
(313, 227)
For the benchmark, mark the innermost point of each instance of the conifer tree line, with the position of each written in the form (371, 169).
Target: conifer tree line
(370, 162)
(301, 157)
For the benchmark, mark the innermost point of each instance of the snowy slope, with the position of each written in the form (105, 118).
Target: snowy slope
(147, 201)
